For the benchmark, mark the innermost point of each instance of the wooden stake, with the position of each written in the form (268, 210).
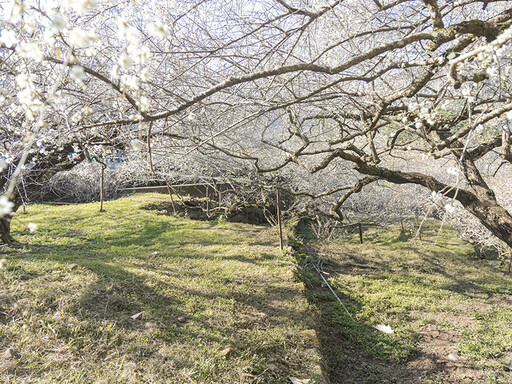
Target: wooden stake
(278, 201)
(360, 233)
(172, 200)
(102, 186)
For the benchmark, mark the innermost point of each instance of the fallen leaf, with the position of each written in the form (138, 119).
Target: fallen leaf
(384, 328)
(11, 353)
(226, 351)
(453, 357)
(309, 334)
(137, 315)
(294, 380)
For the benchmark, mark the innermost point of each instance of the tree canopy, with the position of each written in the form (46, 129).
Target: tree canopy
(389, 90)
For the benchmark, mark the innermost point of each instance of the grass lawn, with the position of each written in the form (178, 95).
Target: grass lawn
(131, 295)
(450, 312)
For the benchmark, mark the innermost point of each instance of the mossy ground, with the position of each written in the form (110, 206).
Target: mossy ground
(442, 302)
(134, 296)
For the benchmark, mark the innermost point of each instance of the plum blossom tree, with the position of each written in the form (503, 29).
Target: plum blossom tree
(364, 92)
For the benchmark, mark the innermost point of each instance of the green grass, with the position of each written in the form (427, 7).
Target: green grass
(437, 297)
(217, 301)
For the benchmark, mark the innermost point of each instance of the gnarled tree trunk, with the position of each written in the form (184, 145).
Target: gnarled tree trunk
(5, 230)
(45, 166)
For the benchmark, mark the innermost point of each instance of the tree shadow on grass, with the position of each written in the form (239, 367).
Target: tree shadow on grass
(118, 302)
(356, 353)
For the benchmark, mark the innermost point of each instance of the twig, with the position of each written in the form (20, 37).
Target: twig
(327, 283)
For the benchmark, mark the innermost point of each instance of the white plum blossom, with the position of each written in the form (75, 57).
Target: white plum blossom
(77, 73)
(5, 206)
(25, 96)
(76, 118)
(8, 38)
(136, 145)
(79, 6)
(135, 117)
(59, 22)
(81, 38)
(132, 35)
(492, 71)
(30, 25)
(157, 29)
(145, 103)
(90, 51)
(449, 208)
(23, 80)
(125, 60)
(86, 111)
(30, 50)
(49, 38)
(436, 196)
(122, 23)
(413, 107)
(452, 171)
(509, 115)
(144, 74)
(139, 54)
(32, 227)
(114, 73)
(130, 82)
(17, 11)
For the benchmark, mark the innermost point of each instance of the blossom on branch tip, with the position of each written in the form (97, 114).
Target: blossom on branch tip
(30, 50)
(8, 38)
(136, 145)
(81, 38)
(59, 22)
(145, 103)
(6, 206)
(80, 5)
(449, 208)
(157, 29)
(125, 60)
(436, 195)
(452, 171)
(77, 73)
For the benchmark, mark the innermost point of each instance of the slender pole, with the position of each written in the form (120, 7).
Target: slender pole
(102, 186)
(172, 200)
(360, 233)
(279, 219)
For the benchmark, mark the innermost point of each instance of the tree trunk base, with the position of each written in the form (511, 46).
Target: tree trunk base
(5, 231)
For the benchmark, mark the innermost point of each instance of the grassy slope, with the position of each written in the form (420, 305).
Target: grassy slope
(218, 300)
(438, 298)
